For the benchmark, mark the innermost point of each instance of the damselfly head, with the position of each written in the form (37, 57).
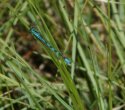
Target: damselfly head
(32, 29)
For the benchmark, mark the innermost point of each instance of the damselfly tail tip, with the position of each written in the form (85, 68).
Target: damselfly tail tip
(67, 61)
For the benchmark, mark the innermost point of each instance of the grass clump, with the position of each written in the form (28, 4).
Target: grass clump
(90, 33)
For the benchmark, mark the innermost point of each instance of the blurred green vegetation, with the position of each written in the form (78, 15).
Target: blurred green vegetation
(88, 32)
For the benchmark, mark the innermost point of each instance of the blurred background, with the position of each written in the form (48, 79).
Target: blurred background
(91, 33)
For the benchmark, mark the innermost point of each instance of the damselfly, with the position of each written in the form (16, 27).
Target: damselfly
(37, 35)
